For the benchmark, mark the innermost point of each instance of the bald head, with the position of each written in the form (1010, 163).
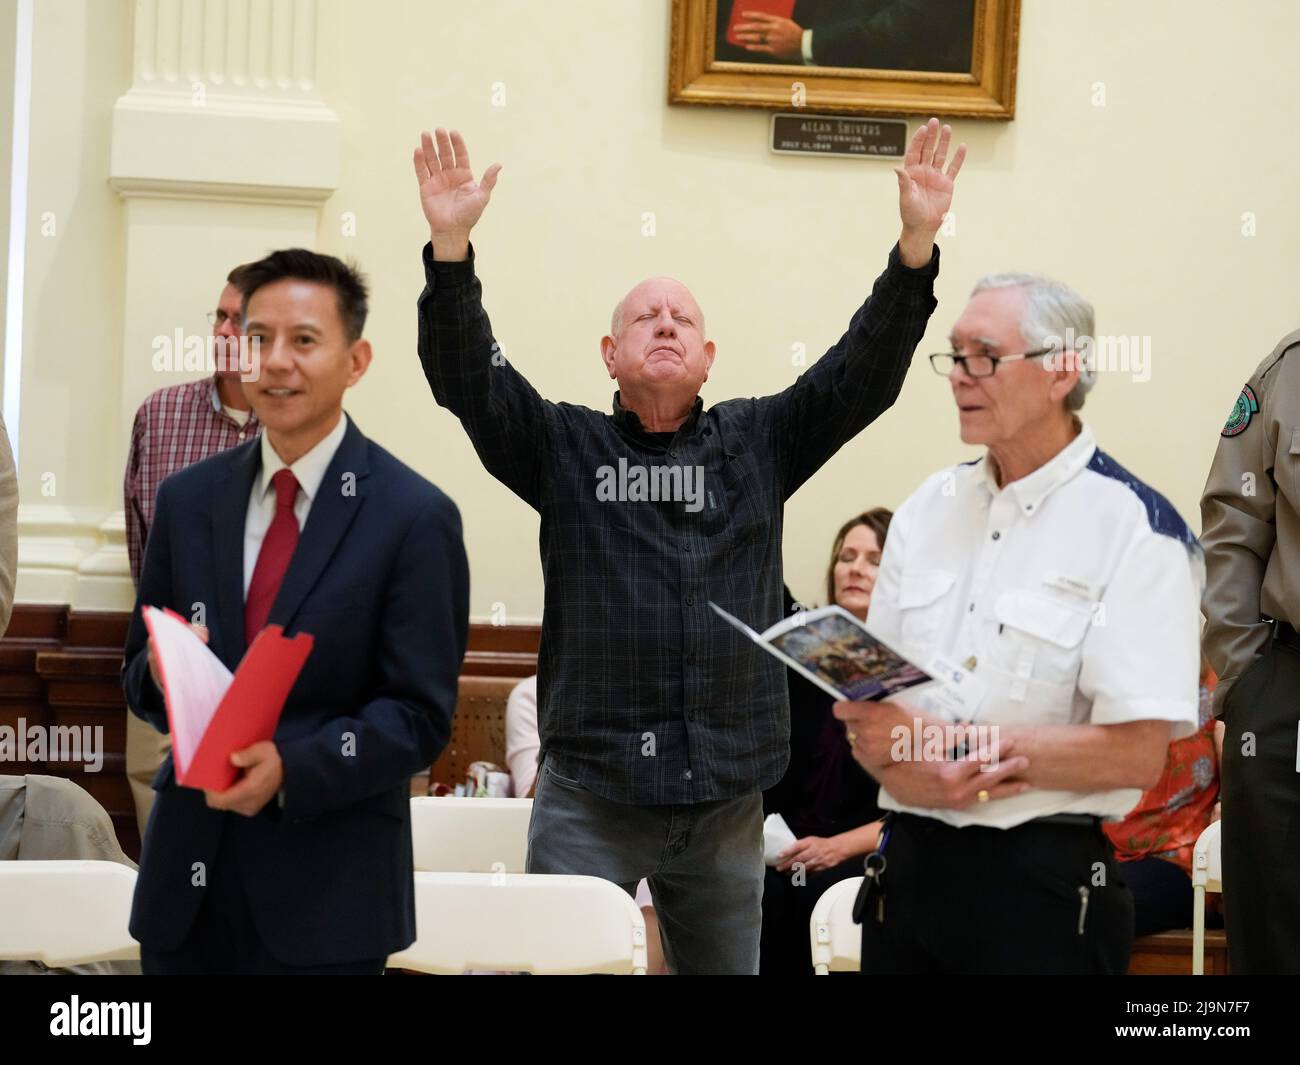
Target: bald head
(656, 290)
(656, 349)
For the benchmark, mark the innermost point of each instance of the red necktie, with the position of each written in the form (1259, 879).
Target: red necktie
(273, 559)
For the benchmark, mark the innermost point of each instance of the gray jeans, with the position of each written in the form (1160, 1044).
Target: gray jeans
(703, 862)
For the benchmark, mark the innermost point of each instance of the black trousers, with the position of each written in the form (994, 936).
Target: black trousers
(1162, 896)
(224, 939)
(1261, 815)
(1038, 898)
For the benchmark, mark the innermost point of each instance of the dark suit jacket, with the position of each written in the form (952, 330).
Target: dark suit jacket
(890, 34)
(379, 578)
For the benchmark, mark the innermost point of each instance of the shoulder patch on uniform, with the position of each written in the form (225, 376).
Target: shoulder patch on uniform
(1161, 515)
(1246, 406)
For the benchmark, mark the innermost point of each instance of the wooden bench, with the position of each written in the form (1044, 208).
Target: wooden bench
(1170, 954)
(478, 731)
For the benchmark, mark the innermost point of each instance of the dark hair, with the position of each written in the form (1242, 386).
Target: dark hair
(877, 520)
(303, 265)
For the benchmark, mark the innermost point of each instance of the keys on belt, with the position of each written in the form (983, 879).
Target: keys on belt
(870, 902)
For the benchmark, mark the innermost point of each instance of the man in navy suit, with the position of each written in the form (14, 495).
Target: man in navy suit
(304, 864)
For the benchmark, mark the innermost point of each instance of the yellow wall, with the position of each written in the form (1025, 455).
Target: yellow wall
(1137, 203)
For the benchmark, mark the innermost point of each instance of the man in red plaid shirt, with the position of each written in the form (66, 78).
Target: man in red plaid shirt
(175, 427)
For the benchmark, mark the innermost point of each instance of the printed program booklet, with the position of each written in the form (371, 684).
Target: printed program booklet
(835, 651)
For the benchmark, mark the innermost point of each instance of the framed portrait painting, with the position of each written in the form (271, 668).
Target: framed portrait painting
(953, 58)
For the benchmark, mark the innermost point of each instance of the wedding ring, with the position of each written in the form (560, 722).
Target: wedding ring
(982, 795)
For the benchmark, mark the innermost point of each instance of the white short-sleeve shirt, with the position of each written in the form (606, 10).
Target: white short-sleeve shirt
(1072, 596)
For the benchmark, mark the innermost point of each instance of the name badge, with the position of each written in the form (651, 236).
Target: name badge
(958, 689)
(1073, 585)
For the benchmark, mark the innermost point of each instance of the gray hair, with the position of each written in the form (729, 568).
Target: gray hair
(1054, 314)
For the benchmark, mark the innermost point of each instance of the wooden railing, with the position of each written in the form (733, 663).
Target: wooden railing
(60, 667)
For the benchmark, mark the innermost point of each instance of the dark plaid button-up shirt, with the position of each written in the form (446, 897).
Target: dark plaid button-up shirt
(645, 695)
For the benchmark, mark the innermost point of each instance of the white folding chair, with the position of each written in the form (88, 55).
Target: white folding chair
(1207, 875)
(66, 912)
(454, 835)
(836, 940)
(523, 923)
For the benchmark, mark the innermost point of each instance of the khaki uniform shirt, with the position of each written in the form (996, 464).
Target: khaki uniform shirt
(1250, 518)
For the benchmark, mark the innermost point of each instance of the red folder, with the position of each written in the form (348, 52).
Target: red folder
(248, 711)
(781, 8)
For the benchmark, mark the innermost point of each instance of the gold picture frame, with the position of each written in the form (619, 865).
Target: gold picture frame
(696, 74)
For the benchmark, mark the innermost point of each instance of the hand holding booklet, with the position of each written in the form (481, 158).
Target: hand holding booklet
(212, 712)
(835, 651)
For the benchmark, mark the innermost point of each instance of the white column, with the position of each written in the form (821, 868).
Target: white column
(222, 150)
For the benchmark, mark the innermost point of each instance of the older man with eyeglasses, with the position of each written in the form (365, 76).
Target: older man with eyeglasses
(176, 426)
(1059, 596)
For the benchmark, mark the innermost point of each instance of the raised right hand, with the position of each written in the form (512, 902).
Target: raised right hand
(452, 200)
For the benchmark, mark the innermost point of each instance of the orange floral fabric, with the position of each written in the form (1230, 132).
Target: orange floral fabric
(1170, 817)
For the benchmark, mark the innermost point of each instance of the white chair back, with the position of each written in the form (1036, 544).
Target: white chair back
(836, 940)
(523, 923)
(66, 912)
(1207, 875)
(453, 835)
(1207, 859)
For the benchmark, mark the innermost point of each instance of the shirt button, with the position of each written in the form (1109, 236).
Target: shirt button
(241, 436)
(997, 536)
(686, 775)
(690, 600)
(672, 454)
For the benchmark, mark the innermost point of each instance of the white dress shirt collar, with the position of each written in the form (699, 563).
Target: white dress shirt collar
(309, 469)
(1029, 491)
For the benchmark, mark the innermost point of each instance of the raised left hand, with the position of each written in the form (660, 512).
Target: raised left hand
(924, 187)
(262, 779)
(925, 190)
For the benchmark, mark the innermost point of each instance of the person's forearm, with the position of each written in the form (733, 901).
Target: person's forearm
(1091, 757)
(1234, 635)
(469, 374)
(450, 247)
(858, 377)
(392, 741)
(141, 694)
(915, 249)
(861, 840)
(456, 346)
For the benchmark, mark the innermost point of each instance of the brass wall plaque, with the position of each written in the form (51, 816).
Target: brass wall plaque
(857, 138)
